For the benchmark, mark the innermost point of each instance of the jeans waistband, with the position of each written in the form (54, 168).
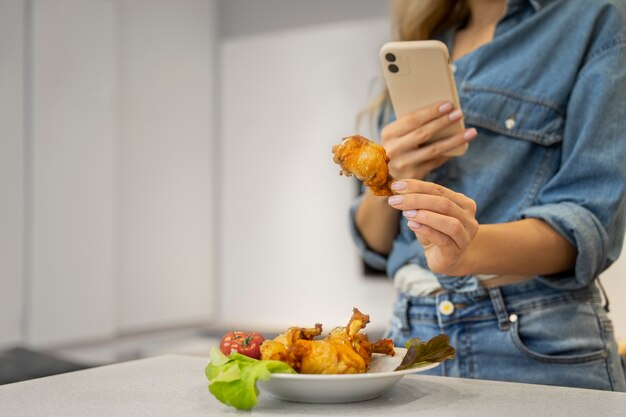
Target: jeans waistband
(515, 296)
(500, 303)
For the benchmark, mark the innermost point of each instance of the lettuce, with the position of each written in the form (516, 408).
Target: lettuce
(232, 379)
(418, 353)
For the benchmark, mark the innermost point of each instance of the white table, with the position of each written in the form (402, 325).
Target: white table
(175, 385)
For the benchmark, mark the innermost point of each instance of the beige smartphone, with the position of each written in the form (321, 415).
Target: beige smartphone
(419, 74)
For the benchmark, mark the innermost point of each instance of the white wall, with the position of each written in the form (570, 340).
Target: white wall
(106, 167)
(12, 55)
(288, 94)
(74, 163)
(166, 181)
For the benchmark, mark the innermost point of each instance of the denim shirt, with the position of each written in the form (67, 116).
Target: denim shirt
(548, 98)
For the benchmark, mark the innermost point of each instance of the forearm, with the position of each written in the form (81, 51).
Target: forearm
(524, 247)
(377, 223)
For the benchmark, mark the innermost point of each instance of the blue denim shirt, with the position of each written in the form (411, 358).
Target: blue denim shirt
(548, 98)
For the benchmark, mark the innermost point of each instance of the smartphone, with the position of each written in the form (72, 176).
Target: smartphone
(419, 74)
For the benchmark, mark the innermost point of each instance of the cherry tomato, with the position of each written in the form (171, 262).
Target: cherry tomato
(248, 344)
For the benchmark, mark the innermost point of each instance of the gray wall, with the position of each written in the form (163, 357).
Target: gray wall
(12, 173)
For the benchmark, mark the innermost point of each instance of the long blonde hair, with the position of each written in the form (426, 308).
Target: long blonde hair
(414, 20)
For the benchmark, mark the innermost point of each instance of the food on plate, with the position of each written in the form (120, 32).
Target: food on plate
(233, 375)
(248, 344)
(345, 350)
(367, 161)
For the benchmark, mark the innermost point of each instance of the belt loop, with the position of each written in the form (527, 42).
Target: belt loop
(404, 314)
(500, 308)
(604, 295)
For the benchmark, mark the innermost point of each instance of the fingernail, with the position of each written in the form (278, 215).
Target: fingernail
(395, 199)
(446, 107)
(409, 213)
(470, 133)
(398, 185)
(413, 225)
(455, 115)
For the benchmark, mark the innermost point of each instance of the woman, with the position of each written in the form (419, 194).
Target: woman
(501, 248)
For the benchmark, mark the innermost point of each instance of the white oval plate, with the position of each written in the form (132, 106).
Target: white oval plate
(331, 389)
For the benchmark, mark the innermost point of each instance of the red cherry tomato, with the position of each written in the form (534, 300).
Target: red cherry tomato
(248, 344)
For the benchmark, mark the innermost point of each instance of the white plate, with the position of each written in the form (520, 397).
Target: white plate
(341, 388)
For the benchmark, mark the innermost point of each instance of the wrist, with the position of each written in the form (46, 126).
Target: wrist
(469, 261)
(378, 202)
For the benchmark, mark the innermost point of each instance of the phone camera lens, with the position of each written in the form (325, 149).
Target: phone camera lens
(390, 57)
(393, 68)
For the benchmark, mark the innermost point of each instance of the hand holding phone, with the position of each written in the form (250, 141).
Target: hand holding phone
(418, 75)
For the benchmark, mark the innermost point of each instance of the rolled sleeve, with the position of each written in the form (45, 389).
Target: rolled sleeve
(584, 231)
(371, 258)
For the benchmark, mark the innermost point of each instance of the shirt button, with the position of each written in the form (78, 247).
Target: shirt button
(510, 123)
(453, 68)
(446, 308)
(513, 318)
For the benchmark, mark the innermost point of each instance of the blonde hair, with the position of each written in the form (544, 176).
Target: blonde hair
(414, 20)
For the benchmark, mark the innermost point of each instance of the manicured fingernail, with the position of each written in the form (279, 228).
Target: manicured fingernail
(395, 199)
(470, 134)
(446, 107)
(398, 185)
(455, 115)
(409, 213)
(413, 225)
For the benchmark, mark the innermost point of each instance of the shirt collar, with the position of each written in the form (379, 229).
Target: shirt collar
(537, 4)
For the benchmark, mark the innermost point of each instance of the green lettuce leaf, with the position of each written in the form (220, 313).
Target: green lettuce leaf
(437, 349)
(232, 379)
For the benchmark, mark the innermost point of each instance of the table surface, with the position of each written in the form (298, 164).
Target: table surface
(175, 385)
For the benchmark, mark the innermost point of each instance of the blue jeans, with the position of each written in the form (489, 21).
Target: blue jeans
(525, 332)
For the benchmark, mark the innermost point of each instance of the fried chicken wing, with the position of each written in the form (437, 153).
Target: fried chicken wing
(344, 351)
(367, 161)
(384, 346)
(278, 348)
(326, 357)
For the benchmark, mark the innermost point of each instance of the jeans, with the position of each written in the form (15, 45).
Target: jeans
(524, 332)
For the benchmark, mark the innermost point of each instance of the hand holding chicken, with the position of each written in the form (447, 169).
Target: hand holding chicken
(443, 220)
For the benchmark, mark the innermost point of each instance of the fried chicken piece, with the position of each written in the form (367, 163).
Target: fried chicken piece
(278, 348)
(384, 346)
(343, 351)
(367, 161)
(326, 357)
